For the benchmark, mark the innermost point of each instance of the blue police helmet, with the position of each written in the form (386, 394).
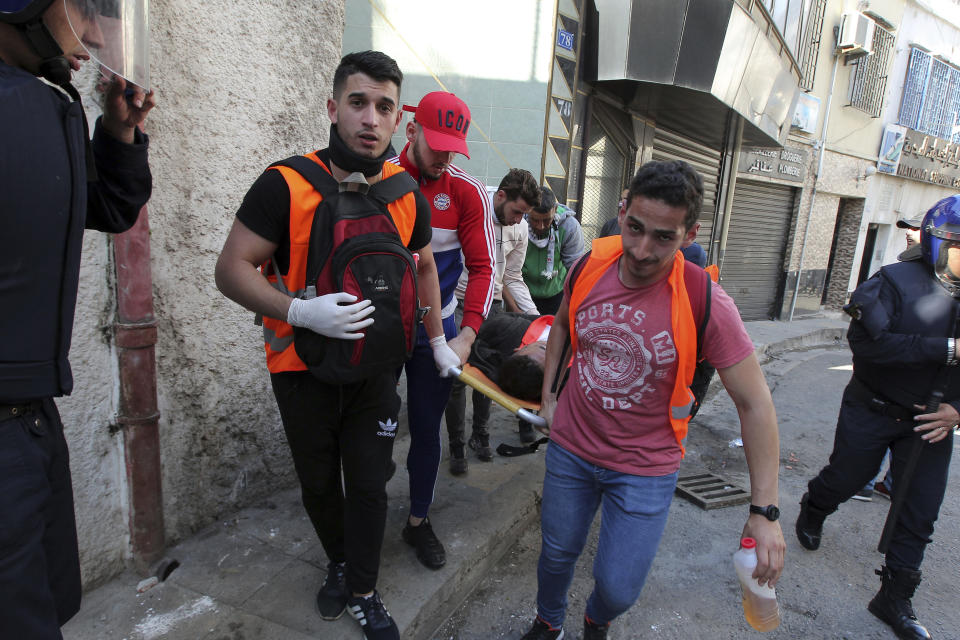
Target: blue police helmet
(939, 233)
(21, 11)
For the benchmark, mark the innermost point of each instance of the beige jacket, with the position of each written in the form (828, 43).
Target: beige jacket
(508, 271)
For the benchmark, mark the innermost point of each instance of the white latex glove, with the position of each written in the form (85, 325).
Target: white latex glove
(443, 356)
(327, 316)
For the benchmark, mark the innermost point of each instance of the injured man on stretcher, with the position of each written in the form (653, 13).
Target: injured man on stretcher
(510, 350)
(506, 365)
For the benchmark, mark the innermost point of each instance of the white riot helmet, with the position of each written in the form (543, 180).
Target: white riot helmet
(115, 33)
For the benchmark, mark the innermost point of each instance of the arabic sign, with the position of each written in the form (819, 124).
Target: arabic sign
(783, 164)
(929, 159)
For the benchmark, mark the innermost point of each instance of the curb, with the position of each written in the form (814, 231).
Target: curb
(830, 336)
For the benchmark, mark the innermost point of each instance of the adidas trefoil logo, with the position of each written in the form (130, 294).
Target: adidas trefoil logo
(388, 429)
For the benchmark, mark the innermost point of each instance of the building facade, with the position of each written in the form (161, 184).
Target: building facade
(918, 156)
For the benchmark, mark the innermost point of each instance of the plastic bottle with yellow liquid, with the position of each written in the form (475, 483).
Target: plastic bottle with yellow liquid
(760, 606)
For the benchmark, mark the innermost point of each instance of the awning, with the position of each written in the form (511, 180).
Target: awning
(687, 63)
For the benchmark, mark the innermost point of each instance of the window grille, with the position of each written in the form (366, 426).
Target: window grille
(603, 180)
(810, 49)
(937, 88)
(869, 78)
(914, 88)
(931, 96)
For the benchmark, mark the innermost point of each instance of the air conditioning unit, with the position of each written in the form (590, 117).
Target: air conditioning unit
(856, 34)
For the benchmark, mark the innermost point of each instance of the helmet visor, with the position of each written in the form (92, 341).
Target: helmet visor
(116, 34)
(947, 262)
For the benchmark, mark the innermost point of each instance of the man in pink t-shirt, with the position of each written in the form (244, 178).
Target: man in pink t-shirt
(617, 429)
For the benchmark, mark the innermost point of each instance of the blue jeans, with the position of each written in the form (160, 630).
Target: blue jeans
(634, 514)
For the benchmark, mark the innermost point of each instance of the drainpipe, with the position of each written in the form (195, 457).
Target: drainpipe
(731, 188)
(136, 335)
(813, 192)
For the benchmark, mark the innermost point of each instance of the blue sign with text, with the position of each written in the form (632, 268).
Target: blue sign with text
(564, 39)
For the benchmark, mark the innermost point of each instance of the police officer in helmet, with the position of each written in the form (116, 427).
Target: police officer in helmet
(55, 182)
(903, 339)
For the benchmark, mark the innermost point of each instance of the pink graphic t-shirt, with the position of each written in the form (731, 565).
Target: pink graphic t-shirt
(613, 411)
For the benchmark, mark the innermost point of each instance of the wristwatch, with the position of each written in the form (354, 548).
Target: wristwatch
(770, 512)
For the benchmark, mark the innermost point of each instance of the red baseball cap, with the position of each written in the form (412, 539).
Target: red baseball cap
(445, 119)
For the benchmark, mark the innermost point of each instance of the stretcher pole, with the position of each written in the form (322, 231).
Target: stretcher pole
(497, 395)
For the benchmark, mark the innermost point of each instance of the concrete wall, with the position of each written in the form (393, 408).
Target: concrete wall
(496, 56)
(238, 86)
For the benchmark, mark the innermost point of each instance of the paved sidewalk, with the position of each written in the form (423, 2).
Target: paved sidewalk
(253, 575)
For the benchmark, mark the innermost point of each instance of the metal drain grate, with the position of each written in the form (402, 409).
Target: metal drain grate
(709, 491)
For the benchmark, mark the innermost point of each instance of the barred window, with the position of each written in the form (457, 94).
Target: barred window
(810, 47)
(931, 96)
(868, 79)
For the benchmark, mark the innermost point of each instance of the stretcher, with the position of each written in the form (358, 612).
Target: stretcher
(472, 376)
(476, 379)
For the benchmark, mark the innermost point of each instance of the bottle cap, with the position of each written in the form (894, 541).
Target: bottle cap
(748, 543)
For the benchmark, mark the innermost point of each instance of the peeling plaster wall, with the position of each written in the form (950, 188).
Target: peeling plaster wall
(96, 457)
(237, 89)
(244, 87)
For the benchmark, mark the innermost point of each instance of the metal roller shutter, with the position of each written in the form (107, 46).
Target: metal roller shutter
(671, 146)
(753, 261)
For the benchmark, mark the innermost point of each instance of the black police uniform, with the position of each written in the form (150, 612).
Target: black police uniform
(45, 204)
(899, 346)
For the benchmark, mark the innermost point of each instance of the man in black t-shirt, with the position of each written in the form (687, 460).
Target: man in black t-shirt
(347, 429)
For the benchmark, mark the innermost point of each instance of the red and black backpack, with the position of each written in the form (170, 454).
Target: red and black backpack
(355, 247)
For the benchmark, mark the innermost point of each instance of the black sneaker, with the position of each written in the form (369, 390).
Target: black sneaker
(481, 445)
(429, 550)
(594, 631)
(373, 617)
(332, 597)
(458, 460)
(543, 631)
(526, 432)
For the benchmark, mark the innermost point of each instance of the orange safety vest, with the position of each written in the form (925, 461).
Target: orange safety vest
(605, 252)
(714, 272)
(304, 199)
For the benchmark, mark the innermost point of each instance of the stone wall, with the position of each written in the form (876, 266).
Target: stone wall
(847, 231)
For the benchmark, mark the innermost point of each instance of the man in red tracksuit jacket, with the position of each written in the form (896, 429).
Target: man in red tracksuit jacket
(462, 224)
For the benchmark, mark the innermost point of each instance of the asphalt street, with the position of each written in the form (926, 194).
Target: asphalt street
(692, 591)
